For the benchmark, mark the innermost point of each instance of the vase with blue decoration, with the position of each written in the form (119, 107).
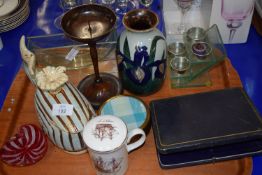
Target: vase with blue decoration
(141, 53)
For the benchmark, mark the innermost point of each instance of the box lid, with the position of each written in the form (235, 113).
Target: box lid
(204, 120)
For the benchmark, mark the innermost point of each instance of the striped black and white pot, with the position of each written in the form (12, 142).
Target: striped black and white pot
(65, 131)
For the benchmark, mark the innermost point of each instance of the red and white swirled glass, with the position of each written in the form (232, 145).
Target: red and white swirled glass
(27, 147)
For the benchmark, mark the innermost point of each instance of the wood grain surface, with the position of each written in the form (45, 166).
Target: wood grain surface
(19, 109)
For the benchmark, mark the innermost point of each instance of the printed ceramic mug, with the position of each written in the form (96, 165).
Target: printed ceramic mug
(107, 140)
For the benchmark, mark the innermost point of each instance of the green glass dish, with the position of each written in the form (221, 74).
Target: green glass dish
(199, 66)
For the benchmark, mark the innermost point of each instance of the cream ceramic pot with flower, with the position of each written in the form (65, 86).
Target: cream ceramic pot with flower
(62, 110)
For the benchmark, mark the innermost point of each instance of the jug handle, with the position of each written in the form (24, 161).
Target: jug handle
(139, 142)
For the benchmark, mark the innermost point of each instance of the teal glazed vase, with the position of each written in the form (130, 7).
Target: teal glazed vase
(141, 53)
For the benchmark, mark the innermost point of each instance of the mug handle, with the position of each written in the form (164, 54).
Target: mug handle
(139, 142)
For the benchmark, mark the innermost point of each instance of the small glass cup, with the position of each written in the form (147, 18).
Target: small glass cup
(196, 34)
(146, 3)
(69, 4)
(201, 49)
(65, 6)
(176, 48)
(123, 6)
(108, 3)
(180, 64)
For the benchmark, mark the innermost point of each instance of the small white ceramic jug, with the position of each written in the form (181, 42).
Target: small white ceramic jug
(107, 140)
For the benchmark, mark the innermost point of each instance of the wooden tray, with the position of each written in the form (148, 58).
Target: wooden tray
(19, 109)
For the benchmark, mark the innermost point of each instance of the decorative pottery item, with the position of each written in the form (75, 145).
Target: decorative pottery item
(131, 110)
(62, 109)
(27, 147)
(108, 144)
(141, 53)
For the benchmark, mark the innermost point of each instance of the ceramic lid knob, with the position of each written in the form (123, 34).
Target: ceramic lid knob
(105, 133)
(51, 78)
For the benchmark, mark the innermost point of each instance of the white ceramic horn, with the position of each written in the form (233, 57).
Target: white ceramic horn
(27, 56)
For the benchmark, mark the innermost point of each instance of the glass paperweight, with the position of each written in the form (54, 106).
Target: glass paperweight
(27, 147)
